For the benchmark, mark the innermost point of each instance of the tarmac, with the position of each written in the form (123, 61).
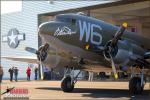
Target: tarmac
(41, 90)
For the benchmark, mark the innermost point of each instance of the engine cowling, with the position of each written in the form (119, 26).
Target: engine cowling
(123, 52)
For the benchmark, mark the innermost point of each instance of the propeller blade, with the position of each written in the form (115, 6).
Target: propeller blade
(119, 33)
(41, 70)
(45, 47)
(113, 67)
(31, 50)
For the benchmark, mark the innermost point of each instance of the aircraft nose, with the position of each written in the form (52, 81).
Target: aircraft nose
(55, 28)
(46, 28)
(49, 28)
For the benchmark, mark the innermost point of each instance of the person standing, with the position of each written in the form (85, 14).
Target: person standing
(11, 73)
(16, 73)
(1, 73)
(36, 73)
(46, 73)
(28, 72)
(91, 74)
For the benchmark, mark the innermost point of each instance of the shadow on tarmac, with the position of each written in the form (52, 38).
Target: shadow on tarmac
(105, 93)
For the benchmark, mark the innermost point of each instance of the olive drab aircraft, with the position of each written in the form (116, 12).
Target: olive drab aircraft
(80, 42)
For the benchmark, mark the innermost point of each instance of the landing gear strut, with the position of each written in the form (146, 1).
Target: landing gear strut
(137, 82)
(68, 82)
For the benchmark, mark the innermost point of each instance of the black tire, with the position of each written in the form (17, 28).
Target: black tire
(66, 85)
(135, 86)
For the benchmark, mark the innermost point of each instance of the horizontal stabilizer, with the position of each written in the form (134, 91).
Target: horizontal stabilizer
(31, 50)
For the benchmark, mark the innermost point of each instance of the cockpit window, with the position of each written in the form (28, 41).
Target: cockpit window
(66, 19)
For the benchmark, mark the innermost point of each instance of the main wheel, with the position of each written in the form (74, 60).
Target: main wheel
(135, 85)
(66, 84)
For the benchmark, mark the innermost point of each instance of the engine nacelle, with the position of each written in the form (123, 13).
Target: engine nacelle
(123, 52)
(48, 55)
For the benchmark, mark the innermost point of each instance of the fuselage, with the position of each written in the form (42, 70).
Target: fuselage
(73, 35)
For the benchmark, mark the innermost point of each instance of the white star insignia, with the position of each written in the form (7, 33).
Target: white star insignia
(12, 38)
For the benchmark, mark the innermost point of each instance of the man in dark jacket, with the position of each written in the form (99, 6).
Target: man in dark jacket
(36, 72)
(11, 73)
(1, 73)
(16, 73)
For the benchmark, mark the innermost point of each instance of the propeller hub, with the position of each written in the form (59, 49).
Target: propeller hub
(42, 53)
(110, 49)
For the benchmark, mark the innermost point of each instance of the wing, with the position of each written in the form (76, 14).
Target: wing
(29, 59)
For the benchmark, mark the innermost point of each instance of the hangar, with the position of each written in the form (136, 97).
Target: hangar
(25, 22)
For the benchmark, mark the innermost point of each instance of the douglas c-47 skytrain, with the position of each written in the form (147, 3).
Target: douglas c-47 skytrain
(80, 42)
